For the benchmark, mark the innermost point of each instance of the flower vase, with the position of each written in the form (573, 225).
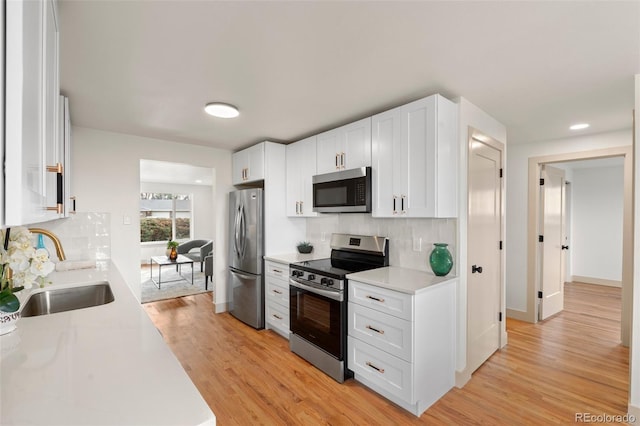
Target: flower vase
(440, 259)
(173, 255)
(8, 321)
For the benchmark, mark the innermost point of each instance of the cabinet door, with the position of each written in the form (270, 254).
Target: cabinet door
(386, 163)
(2, 101)
(328, 151)
(419, 136)
(25, 189)
(301, 166)
(255, 166)
(239, 163)
(356, 144)
(51, 100)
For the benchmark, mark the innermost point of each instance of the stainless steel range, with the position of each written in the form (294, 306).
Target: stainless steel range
(318, 300)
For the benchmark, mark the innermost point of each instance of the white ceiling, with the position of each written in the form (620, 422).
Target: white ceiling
(296, 68)
(176, 173)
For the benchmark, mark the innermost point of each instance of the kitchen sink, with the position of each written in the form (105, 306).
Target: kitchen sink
(67, 299)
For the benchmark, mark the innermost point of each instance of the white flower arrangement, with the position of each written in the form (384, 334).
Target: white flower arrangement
(29, 265)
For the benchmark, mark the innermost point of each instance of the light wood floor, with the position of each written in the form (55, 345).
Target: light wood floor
(572, 363)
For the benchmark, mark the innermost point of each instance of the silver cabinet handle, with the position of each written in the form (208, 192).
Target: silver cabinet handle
(337, 165)
(277, 271)
(402, 197)
(301, 209)
(297, 207)
(377, 299)
(342, 160)
(375, 329)
(277, 316)
(277, 291)
(394, 205)
(378, 369)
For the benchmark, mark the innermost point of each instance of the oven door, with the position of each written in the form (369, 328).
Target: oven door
(318, 316)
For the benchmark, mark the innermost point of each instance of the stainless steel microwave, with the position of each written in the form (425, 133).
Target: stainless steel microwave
(346, 191)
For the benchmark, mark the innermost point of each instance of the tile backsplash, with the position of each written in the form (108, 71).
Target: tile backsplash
(402, 234)
(84, 236)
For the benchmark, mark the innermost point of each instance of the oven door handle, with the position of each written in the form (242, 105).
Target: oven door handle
(326, 293)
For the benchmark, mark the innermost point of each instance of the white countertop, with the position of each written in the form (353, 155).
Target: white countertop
(404, 280)
(294, 257)
(105, 365)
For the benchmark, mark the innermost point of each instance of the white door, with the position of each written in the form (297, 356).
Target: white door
(551, 293)
(484, 277)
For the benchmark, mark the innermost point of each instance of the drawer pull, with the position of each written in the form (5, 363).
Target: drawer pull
(375, 329)
(277, 291)
(277, 316)
(377, 299)
(277, 271)
(378, 369)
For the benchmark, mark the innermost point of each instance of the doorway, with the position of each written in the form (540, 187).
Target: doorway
(484, 249)
(535, 257)
(176, 203)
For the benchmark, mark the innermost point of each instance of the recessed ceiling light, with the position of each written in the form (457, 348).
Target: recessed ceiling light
(579, 126)
(221, 110)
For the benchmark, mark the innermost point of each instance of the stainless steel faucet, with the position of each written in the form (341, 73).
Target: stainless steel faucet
(52, 237)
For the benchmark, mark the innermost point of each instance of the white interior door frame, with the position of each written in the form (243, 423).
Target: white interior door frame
(535, 164)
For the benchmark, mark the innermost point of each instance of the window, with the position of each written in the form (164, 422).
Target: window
(165, 217)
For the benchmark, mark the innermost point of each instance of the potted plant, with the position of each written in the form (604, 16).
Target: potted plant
(172, 247)
(305, 247)
(21, 266)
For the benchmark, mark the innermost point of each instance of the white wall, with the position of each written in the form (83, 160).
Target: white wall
(401, 233)
(597, 206)
(106, 170)
(517, 201)
(202, 225)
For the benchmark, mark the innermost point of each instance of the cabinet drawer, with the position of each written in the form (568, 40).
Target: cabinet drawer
(386, 332)
(277, 318)
(276, 291)
(382, 300)
(381, 369)
(278, 270)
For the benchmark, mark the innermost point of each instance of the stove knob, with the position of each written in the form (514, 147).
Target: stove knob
(311, 277)
(297, 273)
(324, 281)
(329, 283)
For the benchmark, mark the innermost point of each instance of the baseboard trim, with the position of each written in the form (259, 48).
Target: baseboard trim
(518, 315)
(462, 377)
(218, 308)
(634, 411)
(596, 281)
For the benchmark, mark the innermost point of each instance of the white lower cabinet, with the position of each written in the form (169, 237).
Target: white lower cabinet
(277, 297)
(402, 345)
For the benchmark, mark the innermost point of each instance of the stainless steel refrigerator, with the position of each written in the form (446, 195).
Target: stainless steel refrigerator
(245, 284)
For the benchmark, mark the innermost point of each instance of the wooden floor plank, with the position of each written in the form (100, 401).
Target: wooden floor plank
(548, 372)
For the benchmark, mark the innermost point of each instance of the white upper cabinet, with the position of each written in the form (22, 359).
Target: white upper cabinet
(31, 110)
(248, 165)
(347, 147)
(414, 160)
(301, 166)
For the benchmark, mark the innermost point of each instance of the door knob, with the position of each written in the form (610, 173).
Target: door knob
(565, 247)
(475, 269)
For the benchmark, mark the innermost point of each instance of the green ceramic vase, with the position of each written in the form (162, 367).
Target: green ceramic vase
(440, 259)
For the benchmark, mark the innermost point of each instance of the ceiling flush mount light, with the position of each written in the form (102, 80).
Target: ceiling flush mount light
(218, 109)
(579, 126)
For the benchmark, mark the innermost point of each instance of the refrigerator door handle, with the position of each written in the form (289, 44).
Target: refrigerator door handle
(243, 231)
(237, 232)
(243, 276)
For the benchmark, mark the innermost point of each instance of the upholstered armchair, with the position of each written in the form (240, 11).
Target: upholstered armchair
(196, 250)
